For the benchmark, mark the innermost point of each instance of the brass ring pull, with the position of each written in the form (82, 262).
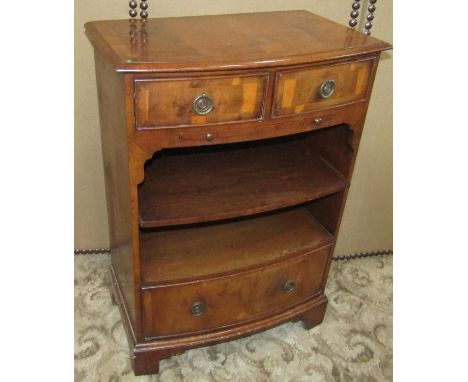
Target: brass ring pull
(198, 308)
(327, 88)
(289, 286)
(203, 104)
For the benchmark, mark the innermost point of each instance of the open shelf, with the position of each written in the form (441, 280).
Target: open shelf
(184, 186)
(194, 252)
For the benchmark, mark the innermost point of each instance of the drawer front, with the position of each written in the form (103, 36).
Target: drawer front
(199, 101)
(203, 306)
(306, 90)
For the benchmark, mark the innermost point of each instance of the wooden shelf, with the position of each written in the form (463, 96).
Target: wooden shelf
(186, 186)
(224, 248)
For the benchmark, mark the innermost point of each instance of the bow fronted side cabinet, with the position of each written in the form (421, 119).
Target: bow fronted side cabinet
(229, 143)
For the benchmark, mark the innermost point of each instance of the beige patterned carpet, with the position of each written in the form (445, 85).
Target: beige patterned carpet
(354, 343)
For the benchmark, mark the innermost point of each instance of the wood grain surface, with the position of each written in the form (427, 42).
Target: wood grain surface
(164, 102)
(297, 91)
(190, 185)
(234, 299)
(111, 93)
(194, 252)
(248, 40)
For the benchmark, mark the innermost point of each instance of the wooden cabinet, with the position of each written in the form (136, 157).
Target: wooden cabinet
(227, 159)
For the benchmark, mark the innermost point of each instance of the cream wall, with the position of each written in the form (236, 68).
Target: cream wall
(367, 221)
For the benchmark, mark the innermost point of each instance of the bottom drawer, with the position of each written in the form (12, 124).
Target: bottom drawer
(170, 310)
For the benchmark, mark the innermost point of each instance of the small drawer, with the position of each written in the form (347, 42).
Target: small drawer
(234, 299)
(199, 101)
(306, 90)
(215, 135)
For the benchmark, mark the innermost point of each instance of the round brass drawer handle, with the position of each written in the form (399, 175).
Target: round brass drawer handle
(209, 136)
(289, 286)
(197, 308)
(203, 104)
(327, 88)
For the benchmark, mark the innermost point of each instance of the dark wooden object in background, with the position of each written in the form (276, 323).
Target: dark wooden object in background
(211, 242)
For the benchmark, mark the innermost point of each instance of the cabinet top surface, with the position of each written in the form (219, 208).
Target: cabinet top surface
(249, 40)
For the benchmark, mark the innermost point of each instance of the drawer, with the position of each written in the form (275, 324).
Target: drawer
(199, 101)
(225, 301)
(305, 90)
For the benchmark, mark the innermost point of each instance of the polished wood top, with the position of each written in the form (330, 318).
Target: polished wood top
(249, 40)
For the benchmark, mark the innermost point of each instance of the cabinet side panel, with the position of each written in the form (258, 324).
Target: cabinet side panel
(334, 206)
(111, 95)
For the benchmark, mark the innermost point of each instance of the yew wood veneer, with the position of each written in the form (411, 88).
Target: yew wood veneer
(229, 143)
